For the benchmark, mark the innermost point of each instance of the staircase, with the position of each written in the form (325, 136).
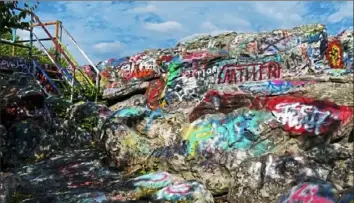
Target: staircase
(63, 81)
(69, 79)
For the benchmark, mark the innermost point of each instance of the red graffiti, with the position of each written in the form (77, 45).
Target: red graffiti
(196, 55)
(166, 58)
(180, 189)
(233, 74)
(306, 115)
(223, 102)
(139, 73)
(334, 54)
(307, 194)
(88, 71)
(153, 93)
(106, 74)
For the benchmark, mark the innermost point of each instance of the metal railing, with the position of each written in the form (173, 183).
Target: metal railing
(70, 78)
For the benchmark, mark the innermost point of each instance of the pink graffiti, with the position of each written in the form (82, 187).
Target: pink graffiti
(196, 55)
(307, 194)
(181, 189)
(137, 57)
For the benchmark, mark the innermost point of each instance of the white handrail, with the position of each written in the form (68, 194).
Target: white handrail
(82, 52)
(87, 58)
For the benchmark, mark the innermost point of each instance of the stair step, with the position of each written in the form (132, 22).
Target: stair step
(52, 71)
(58, 80)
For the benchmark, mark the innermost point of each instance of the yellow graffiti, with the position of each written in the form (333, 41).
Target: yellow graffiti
(195, 134)
(335, 57)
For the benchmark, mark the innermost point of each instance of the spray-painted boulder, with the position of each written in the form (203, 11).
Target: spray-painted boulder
(164, 126)
(84, 119)
(125, 147)
(135, 100)
(27, 141)
(23, 98)
(265, 178)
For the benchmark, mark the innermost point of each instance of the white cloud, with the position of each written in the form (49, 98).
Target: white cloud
(92, 23)
(108, 47)
(207, 25)
(168, 26)
(146, 9)
(345, 10)
(284, 14)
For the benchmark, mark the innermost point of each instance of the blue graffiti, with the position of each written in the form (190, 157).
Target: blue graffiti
(276, 87)
(151, 116)
(233, 132)
(137, 111)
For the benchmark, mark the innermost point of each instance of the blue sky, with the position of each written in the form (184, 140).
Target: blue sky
(115, 29)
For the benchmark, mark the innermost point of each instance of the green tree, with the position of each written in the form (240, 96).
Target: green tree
(7, 50)
(11, 17)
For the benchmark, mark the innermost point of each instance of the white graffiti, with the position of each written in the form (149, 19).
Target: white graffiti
(17, 64)
(211, 44)
(110, 91)
(301, 116)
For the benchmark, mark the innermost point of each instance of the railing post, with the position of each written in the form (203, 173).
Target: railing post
(57, 39)
(97, 86)
(14, 41)
(31, 36)
(72, 86)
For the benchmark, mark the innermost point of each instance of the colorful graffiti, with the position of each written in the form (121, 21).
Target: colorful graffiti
(153, 180)
(16, 64)
(154, 93)
(232, 74)
(273, 87)
(235, 131)
(188, 190)
(310, 192)
(335, 54)
(219, 101)
(305, 115)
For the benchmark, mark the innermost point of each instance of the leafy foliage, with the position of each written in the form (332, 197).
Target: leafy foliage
(6, 50)
(10, 17)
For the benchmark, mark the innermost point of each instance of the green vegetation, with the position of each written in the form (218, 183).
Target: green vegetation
(6, 50)
(12, 18)
(16, 19)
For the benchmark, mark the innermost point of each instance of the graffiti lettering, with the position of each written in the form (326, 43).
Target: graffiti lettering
(232, 74)
(201, 72)
(110, 91)
(301, 114)
(16, 64)
(298, 117)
